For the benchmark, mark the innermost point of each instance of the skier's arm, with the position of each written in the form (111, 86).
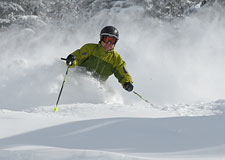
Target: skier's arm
(80, 54)
(122, 75)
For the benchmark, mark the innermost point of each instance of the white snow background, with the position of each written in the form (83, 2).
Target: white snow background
(177, 65)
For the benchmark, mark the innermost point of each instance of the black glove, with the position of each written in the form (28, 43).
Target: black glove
(70, 59)
(128, 86)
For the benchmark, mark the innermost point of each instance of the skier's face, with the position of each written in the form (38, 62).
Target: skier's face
(107, 45)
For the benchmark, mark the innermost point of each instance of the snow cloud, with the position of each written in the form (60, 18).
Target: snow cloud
(180, 61)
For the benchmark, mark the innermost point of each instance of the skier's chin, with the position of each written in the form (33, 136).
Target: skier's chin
(108, 48)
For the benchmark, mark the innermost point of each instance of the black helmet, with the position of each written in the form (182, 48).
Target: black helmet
(109, 31)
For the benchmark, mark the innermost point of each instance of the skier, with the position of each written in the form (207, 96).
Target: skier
(101, 59)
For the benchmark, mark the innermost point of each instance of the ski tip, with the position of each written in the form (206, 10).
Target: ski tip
(55, 109)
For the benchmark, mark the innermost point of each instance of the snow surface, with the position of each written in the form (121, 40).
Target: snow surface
(111, 131)
(177, 65)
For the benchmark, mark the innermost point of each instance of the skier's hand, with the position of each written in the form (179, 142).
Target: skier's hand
(128, 86)
(70, 60)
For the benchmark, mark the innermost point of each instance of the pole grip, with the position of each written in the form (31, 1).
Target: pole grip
(63, 59)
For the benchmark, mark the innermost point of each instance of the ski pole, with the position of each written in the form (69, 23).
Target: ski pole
(55, 109)
(143, 98)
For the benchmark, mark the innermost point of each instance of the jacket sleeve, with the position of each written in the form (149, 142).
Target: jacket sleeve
(80, 54)
(121, 72)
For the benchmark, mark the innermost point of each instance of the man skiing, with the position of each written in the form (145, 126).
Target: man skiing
(101, 59)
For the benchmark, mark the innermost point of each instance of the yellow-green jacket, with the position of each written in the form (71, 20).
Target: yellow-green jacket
(96, 59)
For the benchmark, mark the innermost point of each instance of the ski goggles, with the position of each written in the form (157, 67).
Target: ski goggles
(107, 39)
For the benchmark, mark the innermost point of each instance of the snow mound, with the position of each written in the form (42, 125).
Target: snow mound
(55, 137)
